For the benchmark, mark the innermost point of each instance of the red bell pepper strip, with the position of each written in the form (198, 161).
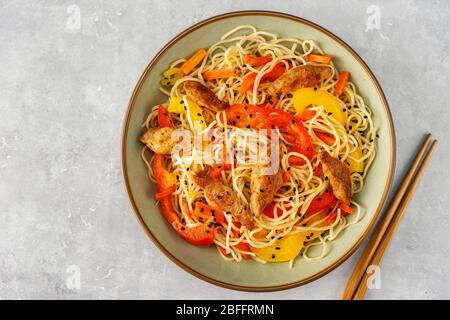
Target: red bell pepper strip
(321, 202)
(247, 83)
(269, 211)
(325, 137)
(242, 246)
(346, 208)
(247, 116)
(201, 235)
(286, 176)
(216, 172)
(165, 193)
(163, 117)
(307, 115)
(331, 218)
(303, 142)
(291, 127)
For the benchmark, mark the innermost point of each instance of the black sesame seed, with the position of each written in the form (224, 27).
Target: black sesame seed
(277, 248)
(261, 190)
(273, 256)
(307, 237)
(377, 136)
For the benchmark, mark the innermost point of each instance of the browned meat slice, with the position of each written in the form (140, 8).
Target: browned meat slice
(203, 96)
(299, 77)
(263, 188)
(222, 197)
(339, 176)
(159, 140)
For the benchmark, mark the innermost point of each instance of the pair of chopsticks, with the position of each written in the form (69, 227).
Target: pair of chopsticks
(382, 236)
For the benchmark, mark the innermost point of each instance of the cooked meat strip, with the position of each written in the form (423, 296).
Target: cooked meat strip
(299, 77)
(159, 140)
(263, 188)
(339, 176)
(203, 96)
(222, 197)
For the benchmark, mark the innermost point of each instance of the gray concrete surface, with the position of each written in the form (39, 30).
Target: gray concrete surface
(64, 89)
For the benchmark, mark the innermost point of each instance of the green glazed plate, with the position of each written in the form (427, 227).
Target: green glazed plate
(206, 263)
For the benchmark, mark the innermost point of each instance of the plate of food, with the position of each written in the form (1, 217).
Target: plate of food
(258, 150)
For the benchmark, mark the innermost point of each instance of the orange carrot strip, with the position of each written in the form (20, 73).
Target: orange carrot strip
(193, 61)
(342, 82)
(219, 74)
(255, 61)
(319, 58)
(247, 82)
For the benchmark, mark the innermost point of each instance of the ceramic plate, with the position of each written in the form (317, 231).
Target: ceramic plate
(206, 263)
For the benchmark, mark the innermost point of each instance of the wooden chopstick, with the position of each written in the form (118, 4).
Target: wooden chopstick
(364, 260)
(390, 232)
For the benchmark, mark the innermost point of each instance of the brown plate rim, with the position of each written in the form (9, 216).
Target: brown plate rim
(124, 144)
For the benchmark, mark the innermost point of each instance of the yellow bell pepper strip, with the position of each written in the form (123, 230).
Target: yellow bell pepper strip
(193, 61)
(200, 235)
(284, 249)
(182, 105)
(306, 96)
(319, 58)
(356, 166)
(219, 74)
(176, 105)
(171, 76)
(342, 82)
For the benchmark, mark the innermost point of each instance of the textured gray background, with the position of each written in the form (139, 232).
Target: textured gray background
(63, 94)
